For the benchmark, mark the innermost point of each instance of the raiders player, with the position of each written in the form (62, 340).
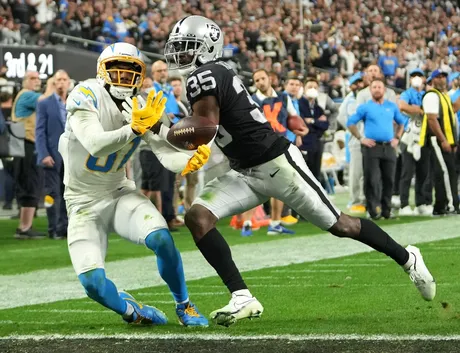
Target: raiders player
(263, 165)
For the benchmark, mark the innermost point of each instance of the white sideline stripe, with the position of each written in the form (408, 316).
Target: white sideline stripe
(346, 265)
(35, 250)
(220, 337)
(66, 311)
(201, 294)
(308, 271)
(45, 286)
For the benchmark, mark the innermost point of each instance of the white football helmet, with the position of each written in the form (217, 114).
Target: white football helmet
(194, 41)
(121, 70)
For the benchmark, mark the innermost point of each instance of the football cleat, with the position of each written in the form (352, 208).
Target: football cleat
(289, 221)
(278, 230)
(189, 315)
(406, 211)
(239, 307)
(419, 274)
(143, 314)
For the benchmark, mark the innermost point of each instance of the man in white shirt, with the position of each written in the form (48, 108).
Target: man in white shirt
(356, 179)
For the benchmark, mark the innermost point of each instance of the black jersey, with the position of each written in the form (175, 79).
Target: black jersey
(244, 135)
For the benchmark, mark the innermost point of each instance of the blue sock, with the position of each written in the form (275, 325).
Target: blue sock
(102, 290)
(169, 263)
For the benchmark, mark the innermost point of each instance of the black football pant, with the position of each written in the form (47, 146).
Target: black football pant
(421, 168)
(445, 179)
(379, 164)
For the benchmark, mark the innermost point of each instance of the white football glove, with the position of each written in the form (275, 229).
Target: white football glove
(128, 107)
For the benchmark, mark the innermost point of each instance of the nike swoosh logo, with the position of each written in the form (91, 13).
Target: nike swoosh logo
(147, 117)
(239, 306)
(272, 175)
(77, 102)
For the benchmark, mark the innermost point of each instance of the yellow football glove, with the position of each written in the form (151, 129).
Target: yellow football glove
(143, 119)
(198, 160)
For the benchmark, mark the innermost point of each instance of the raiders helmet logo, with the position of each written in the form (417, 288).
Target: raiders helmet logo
(214, 32)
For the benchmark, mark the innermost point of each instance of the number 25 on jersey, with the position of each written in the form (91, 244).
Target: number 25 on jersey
(92, 163)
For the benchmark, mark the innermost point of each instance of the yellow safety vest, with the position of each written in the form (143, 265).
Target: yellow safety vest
(447, 119)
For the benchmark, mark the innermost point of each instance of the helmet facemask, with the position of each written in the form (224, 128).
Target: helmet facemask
(122, 77)
(182, 53)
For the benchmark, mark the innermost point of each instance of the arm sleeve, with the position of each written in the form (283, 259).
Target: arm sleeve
(27, 100)
(358, 116)
(40, 131)
(170, 157)
(431, 103)
(89, 131)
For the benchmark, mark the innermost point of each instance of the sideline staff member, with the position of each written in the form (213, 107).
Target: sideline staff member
(378, 147)
(439, 129)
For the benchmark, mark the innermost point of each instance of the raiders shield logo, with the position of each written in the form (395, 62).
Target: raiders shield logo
(214, 32)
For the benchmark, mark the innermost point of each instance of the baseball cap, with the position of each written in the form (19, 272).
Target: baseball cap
(416, 71)
(356, 77)
(436, 73)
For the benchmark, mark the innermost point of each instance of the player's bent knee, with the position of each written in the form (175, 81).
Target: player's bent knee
(199, 220)
(94, 282)
(159, 239)
(346, 227)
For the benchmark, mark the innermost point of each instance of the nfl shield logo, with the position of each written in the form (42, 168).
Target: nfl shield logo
(214, 32)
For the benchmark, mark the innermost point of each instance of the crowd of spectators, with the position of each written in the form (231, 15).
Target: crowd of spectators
(350, 34)
(341, 38)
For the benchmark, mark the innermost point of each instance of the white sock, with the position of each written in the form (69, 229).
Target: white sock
(129, 310)
(184, 302)
(275, 223)
(409, 262)
(244, 292)
(247, 223)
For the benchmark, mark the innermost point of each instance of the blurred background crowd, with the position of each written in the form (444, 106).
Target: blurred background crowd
(330, 49)
(341, 36)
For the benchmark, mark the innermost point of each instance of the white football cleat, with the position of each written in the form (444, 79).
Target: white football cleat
(239, 307)
(406, 211)
(419, 274)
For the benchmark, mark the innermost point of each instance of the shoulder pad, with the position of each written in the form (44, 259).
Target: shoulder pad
(83, 97)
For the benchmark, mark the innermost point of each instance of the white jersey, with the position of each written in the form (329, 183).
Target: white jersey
(98, 142)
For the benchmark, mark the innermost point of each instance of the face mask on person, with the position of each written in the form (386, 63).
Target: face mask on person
(311, 93)
(416, 82)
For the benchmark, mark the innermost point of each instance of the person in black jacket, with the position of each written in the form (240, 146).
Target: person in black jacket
(313, 115)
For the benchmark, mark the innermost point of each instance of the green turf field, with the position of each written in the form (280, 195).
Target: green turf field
(309, 284)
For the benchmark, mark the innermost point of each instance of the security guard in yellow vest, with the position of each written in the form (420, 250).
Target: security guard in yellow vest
(29, 174)
(440, 131)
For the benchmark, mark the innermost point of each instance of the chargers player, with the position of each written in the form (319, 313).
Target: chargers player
(263, 165)
(95, 146)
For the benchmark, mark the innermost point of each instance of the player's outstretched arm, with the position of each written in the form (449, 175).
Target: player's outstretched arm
(99, 143)
(171, 158)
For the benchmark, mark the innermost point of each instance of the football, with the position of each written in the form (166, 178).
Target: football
(188, 134)
(295, 122)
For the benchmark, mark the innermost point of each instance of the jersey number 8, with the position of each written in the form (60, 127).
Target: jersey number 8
(92, 162)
